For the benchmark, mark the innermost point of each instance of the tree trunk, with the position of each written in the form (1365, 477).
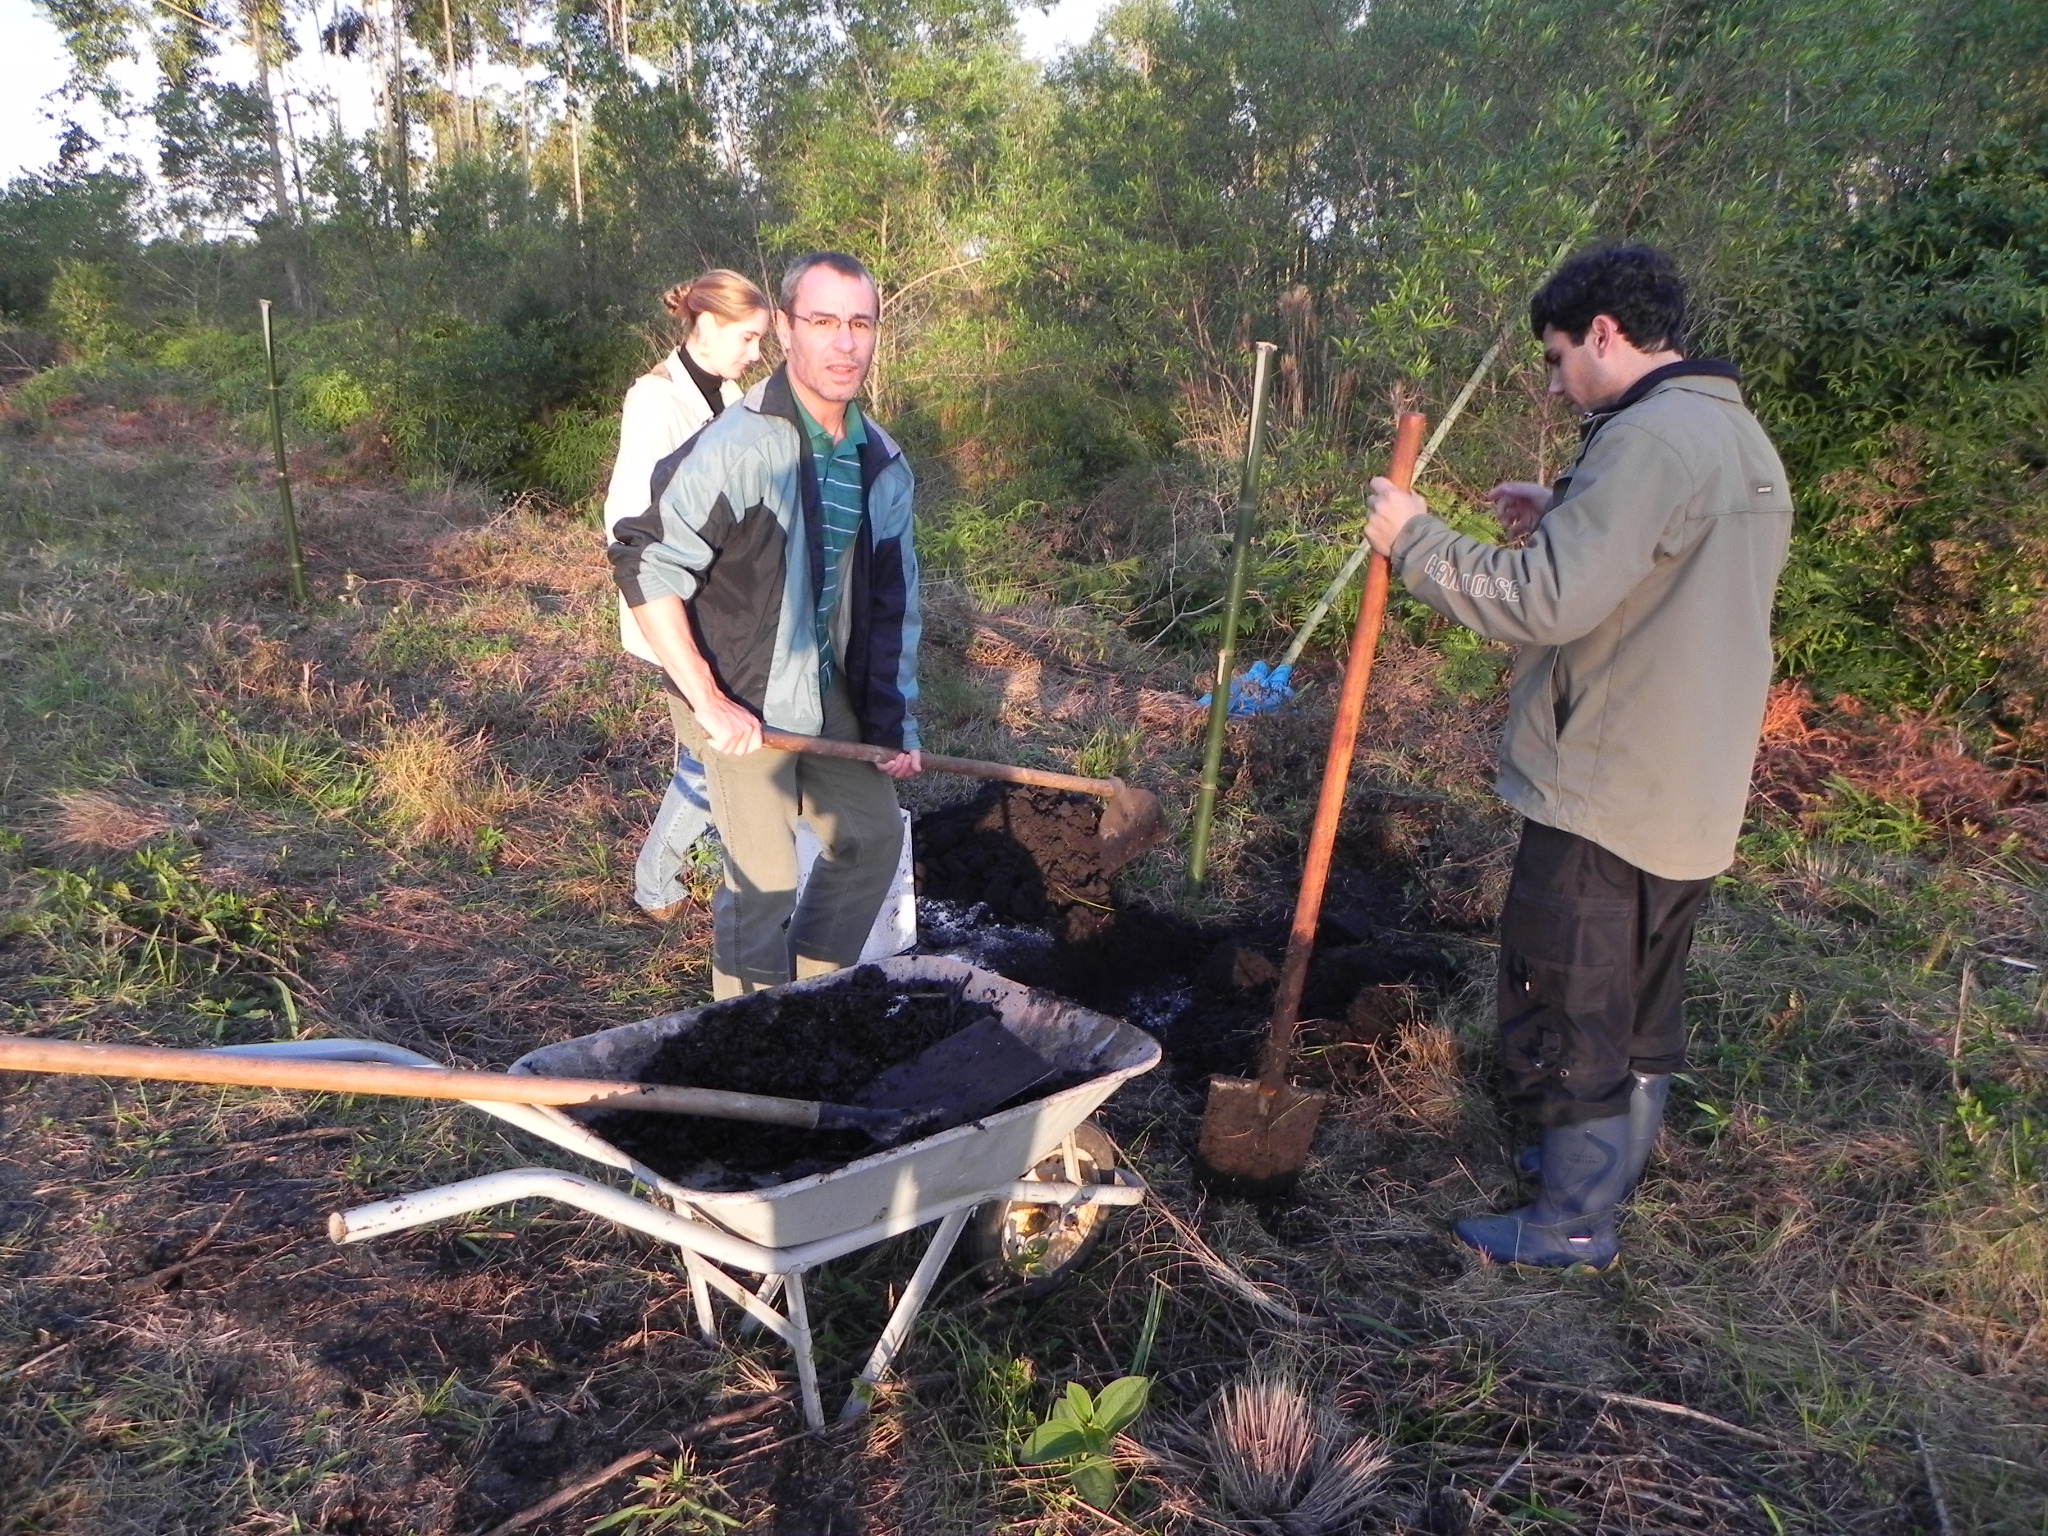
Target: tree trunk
(454, 87)
(399, 133)
(261, 44)
(576, 159)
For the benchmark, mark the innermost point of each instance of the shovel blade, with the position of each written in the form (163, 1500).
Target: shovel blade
(962, 1078)
(1255, 1139)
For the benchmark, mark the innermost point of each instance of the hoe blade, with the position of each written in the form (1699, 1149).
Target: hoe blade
(1255, 1138)
(1131, 822)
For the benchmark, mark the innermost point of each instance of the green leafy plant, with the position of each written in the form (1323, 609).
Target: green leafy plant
(1857, 815)
(672, 1499)
(85, 301)
(1080, 1430)
(157, 926)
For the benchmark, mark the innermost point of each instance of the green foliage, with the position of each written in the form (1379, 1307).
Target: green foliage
(468, 398)
(673, 1499)
(156, 927)
(122, 382)
(1079, 1432)
(65, 215)
(1908, 388)
(85, 305)
(1854, 815)
(333, 400)
(280, 768)
(229, 363)
(1470, 667)
(573, 452)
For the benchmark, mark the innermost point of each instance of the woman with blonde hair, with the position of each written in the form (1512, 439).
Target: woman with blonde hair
(720, 319)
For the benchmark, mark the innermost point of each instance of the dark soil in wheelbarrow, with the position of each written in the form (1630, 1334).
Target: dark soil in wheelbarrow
(824, 1043)
(1013, 880)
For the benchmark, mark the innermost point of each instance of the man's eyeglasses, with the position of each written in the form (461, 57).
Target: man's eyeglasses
(862, 326)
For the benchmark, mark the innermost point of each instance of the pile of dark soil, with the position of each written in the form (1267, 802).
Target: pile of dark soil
(821, 1043)
(1029, 855)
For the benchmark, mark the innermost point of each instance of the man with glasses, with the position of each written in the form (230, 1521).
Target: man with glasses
(1638, 589)
(773, 575)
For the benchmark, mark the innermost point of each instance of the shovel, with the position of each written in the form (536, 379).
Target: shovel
(1131, 821)
(1256, 1134)
(951, 1080)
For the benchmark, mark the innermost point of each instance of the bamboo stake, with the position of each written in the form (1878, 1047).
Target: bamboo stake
(1226, 655)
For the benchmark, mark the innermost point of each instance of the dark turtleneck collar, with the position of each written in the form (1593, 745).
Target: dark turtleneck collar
(1685, 367)
(709, 385)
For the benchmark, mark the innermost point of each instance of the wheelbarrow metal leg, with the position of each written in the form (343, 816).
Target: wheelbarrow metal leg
(904, 1318)
(800, 1346)
(771, 1288)
(700, 1297)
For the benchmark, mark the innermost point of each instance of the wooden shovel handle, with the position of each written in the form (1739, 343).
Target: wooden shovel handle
(160, 1064)
(973, 767)
(1322, 838)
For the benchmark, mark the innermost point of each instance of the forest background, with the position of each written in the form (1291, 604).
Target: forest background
(1075, 260)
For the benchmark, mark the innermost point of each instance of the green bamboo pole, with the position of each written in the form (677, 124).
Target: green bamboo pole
(1226, 656)
(292, 552)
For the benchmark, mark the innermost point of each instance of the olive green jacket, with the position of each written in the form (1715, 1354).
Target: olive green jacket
(1642, 606)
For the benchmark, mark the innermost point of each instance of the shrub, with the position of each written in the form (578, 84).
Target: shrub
(332, 400)
(573, 451)
(120, 382)
(1907, 389)
(85, 304)
(229, 363)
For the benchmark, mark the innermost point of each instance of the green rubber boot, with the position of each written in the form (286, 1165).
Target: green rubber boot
(1588, 1169)
(1645, 1119)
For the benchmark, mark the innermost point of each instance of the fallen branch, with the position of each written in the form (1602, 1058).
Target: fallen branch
(1941, 1516)
(162, 1277)
(1678, 1410)
(562, 1498)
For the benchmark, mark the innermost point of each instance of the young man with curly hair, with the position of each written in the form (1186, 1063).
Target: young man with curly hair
(1638, 589)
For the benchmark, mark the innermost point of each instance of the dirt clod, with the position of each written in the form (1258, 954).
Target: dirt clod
(1029, 855)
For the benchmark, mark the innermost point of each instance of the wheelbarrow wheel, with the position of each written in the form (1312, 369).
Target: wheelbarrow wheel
(1027, 1250)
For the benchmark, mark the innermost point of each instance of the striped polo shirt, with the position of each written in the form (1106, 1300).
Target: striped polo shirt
(837, 466)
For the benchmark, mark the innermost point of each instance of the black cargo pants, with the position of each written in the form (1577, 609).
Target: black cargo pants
(1592, 977)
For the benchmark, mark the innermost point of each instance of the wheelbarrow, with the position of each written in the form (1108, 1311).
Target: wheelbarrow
(1039, 1175)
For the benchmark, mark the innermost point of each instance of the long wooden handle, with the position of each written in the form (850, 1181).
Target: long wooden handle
(1322, 838)
(29, 1055)
(973, 767)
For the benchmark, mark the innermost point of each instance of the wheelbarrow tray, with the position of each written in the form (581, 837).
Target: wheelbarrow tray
(898, 1188)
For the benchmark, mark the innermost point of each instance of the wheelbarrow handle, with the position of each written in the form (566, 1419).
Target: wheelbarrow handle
(973, 767)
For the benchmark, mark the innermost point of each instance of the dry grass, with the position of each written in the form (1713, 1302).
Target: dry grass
(1839, 1245)
(95, 821)
(437, 785)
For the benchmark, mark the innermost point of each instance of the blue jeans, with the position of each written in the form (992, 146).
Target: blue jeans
(685, 816)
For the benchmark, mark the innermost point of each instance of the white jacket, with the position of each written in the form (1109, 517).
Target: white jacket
(664, 409)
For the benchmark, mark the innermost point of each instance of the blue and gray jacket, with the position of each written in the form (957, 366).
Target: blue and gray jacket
(733, 527)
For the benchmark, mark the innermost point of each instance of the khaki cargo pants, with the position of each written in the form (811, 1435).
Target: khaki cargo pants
(761, 935)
